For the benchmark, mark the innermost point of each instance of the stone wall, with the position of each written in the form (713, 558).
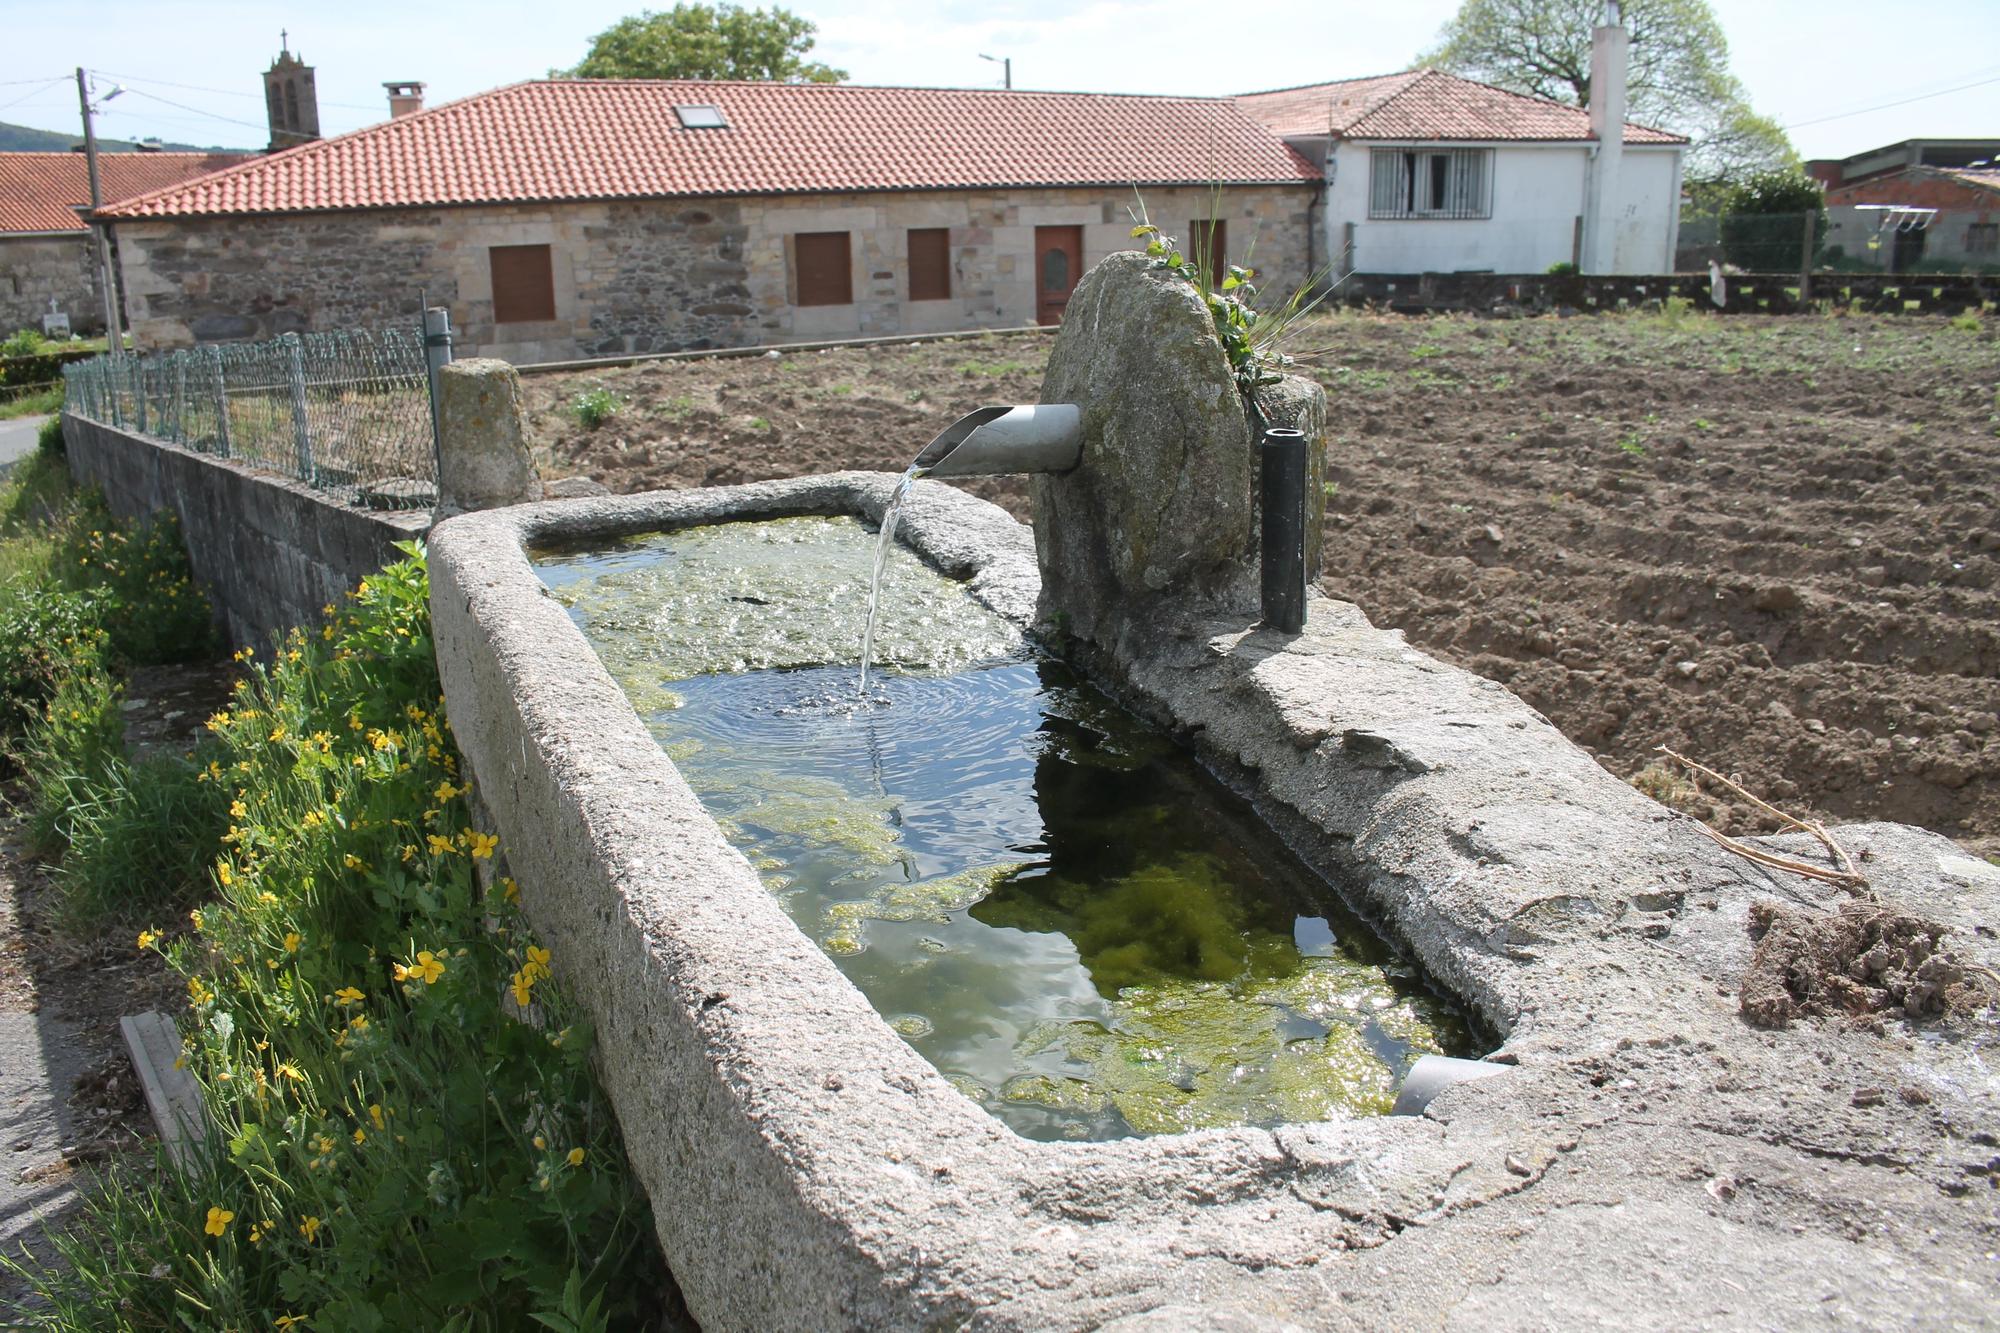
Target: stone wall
(268, 551)
(35, 267)
(654, 275)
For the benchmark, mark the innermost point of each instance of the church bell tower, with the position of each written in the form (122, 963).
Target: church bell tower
(290, 99)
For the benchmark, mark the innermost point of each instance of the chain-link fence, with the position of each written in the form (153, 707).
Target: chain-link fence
(1861, 239)
(344, 412)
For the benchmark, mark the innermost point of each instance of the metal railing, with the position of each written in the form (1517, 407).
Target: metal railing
(343, 412)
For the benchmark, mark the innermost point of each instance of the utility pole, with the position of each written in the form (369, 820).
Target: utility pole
(114, 336)
(1006, 64)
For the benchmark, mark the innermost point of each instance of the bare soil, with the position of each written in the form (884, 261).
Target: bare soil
(1769, 543)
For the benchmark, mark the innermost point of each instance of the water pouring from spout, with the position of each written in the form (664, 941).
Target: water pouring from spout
(992, 441)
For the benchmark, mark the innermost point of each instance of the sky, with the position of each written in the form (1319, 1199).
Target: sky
(191, 68)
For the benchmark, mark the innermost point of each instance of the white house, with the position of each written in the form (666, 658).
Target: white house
(1430, 173)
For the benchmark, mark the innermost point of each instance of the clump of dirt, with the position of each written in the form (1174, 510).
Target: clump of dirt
(1863, 960)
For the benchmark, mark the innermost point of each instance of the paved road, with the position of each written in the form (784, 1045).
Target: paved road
(17, 439)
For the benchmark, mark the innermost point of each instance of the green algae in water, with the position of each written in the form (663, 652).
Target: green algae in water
(762, 596)
(1084, 932)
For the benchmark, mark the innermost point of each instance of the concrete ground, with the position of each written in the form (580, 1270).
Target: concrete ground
(17, 440)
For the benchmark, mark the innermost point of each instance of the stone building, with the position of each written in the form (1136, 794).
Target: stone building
(45, 248)
(570, 217)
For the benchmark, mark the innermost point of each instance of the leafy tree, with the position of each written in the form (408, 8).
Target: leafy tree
(698, 41)
(1678, 77)
(1763, 215)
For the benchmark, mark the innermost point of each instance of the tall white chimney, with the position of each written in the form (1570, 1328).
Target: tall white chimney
(1609, 49)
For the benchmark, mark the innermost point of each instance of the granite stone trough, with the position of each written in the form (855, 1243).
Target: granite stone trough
(1650, 1159)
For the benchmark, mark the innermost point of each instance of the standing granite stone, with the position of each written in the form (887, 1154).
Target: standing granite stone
(1159, 516)
(483, 458)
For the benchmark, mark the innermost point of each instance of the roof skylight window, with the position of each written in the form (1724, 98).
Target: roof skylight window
(698, 117)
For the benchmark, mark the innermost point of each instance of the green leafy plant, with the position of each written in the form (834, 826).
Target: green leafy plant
(1250, 337)
(49, 441)
(404, 1130)
(25, 342)
(596, 405)
(1562, 268)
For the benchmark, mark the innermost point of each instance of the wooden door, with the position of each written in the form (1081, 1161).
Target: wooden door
(1058, 264)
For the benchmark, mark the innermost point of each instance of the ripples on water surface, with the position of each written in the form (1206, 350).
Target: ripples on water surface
(1081, 929)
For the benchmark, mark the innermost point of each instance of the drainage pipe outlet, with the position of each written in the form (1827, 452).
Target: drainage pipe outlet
(999, 441)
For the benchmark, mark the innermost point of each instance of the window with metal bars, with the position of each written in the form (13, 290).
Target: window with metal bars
(1431, 183)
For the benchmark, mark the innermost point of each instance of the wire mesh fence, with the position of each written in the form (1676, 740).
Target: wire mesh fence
(1862, 239)
(347, 412)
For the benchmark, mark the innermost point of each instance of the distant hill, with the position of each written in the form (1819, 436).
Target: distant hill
(22, 139)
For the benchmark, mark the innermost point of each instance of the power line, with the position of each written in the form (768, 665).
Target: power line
(17, 83)
(222, 92)
(1884, 106)
(182, 106)
(37, 92)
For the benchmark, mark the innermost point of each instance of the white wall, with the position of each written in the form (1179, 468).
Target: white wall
(1537, 196)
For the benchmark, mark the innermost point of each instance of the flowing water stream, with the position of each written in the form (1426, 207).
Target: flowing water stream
(1050, 901)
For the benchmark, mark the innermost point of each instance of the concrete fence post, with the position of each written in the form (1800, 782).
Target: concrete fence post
(483, 457)
(295, 380)
(180, 398)
(221, 402)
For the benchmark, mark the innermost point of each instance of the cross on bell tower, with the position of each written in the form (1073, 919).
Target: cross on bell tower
(290, 100)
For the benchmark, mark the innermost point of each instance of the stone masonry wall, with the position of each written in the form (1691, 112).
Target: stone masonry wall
(268, 551)
(652, 275)
(34, 268)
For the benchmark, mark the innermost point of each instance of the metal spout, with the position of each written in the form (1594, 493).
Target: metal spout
(1432, 1074)
(997, 441)
(1282, 474)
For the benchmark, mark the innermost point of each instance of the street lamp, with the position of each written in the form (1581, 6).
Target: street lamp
(1006, 64)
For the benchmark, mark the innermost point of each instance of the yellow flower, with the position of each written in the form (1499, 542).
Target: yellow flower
(313, 819)
(278, 732)
(428, 966)
(523, 988)
(243, 654)
(199, 993)
(375, 1114)
(440, 845)
(237, 810)
(147, 939)
(538, 962)
(360, 1135)
(222, 872)
(291, 1071)
(285, 1321)
(349, 995)
(218, 1221)
(575, 1157)
(219, 720)
(541, 1144)
(309, 1228)
(292, 941)
(510, 890)
(483, 845)
(267, 897)
(445, 791)
(359, 1023)
(353, 862)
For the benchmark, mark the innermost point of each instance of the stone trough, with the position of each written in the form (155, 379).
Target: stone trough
(1649, 1159)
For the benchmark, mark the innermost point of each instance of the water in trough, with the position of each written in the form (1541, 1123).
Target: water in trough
(1078, 926)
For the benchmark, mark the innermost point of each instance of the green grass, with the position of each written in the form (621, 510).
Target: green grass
(44, 402)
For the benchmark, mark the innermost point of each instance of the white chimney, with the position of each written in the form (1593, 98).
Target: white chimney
(405, 99)
(1609, 48)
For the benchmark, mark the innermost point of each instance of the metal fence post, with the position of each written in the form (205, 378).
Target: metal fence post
(295, 361)
(139, 394)
(1806, 258)
(221, 403)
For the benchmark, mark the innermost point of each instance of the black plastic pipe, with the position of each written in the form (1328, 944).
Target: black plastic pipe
(1281, 467)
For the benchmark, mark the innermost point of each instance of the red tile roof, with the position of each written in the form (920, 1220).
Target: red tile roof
(1427, 104)
(621, 139)
(38, 190)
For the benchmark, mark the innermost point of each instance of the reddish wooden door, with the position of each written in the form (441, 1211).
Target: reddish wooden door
(1058, 264)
